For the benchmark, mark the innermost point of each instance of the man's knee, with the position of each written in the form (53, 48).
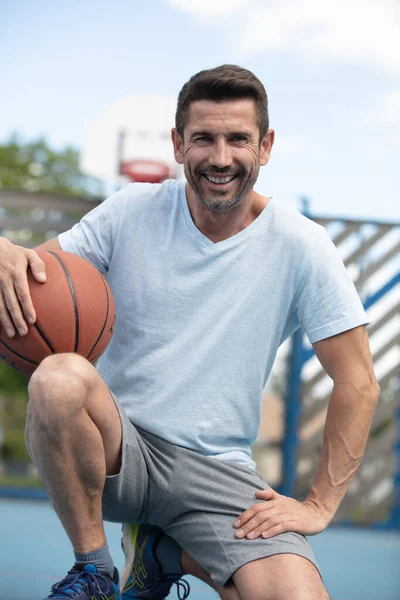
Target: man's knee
(280, 577)
(57, 390)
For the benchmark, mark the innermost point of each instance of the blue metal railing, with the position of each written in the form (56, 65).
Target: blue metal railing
(300, 354)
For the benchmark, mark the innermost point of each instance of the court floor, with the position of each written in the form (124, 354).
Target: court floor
(35, 553)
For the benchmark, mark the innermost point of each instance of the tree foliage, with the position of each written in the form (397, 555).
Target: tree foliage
(11, 382)
(13, 403)
(36, 167)
(32, 166)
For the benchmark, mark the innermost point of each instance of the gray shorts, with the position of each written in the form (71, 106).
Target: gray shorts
(194, 499)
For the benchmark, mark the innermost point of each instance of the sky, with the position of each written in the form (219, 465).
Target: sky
(331, 69)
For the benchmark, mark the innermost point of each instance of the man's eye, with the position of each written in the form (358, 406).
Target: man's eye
(203, 138)
(239, 138)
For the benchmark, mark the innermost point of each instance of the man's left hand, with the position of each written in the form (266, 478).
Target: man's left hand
(278, 514)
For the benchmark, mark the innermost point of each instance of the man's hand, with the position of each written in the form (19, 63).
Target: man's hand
(16, 308)
(278, 514)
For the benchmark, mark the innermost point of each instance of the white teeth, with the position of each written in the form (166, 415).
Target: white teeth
(220, 179)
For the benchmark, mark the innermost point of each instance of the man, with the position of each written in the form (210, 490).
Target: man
(209, 278)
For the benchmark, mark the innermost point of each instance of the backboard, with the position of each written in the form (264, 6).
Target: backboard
(131, 141)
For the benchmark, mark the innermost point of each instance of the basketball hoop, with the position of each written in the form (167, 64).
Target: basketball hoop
(132, 129)
(145, 170)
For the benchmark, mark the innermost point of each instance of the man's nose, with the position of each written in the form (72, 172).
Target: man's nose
(221, 155)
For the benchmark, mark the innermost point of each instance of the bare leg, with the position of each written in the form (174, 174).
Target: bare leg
(190, 567)
(280, 577)
(73, 434)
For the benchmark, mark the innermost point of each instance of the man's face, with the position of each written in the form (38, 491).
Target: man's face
(222, 151)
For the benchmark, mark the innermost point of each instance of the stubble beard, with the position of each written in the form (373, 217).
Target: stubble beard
(218, 202)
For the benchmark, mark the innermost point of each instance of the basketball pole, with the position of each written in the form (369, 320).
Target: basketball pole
(121, 138)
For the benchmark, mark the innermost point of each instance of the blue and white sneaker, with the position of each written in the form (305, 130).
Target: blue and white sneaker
(142, 576)
(86, 584)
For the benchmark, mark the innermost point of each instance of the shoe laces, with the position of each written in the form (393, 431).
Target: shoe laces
(182, 589)
(73, 583)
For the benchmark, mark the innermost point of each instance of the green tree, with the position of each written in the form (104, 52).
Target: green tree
(11, 382)
(13, 403)
(34, 166)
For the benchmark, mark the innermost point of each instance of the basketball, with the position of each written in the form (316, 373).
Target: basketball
(75, 312)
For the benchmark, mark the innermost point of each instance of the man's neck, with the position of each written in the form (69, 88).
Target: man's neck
(221, 225)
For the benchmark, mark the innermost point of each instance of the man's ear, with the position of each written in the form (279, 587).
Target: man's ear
(266, 146)
(177, 142)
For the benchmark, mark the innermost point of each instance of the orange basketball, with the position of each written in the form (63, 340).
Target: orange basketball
(75, 312)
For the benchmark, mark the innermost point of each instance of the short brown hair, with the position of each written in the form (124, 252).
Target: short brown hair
(226, 82)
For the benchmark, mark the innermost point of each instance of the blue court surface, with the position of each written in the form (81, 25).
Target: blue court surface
(35, 553)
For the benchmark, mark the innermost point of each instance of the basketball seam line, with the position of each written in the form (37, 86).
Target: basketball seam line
(106, 319)
(44, 338)
(74, 300)
(16, 353)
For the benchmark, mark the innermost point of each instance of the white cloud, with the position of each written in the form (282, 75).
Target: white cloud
(350, 31)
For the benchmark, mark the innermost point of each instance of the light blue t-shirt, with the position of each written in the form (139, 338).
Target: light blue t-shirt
(199, 323)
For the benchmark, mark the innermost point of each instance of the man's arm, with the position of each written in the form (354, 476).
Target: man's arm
(52, 244)
(346, 358)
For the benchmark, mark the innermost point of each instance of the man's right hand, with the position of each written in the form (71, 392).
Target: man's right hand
(16, 308)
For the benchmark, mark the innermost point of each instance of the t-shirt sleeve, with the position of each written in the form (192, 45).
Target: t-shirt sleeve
(327, 300)
(94, 236)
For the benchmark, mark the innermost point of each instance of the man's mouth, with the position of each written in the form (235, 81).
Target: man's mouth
(220, 180)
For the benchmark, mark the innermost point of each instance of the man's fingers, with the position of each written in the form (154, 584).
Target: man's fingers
(22, 291)
(277, 516)
(249, 514)
(266, 494)
(275, 530)
(5, 318)
(14, 309)
(37, 266)
(267, 523)
(253, 525)
(277, 523)
(18, 299)
(252, 520)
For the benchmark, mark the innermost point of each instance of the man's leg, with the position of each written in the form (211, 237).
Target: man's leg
(280, 577)
(73, 434)
(143, 576)
(190, 567)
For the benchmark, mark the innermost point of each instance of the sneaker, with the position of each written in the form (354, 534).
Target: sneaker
(142, 576)
(85, 583)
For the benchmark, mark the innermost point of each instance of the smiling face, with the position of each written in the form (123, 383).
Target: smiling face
(222, 152)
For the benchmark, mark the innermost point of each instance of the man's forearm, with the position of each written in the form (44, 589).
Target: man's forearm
(346, 432)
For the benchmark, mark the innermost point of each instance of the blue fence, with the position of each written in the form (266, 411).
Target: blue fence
(377, 276)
